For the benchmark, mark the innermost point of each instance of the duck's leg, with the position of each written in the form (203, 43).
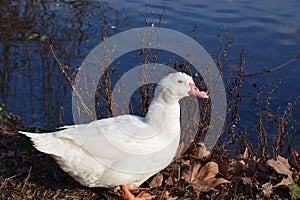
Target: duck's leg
(127, 195)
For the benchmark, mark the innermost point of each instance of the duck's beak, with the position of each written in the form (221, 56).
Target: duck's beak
(196, 92)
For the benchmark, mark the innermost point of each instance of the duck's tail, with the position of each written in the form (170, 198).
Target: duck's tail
(44, 142)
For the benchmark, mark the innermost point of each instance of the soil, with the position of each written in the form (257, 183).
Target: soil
(26, 173)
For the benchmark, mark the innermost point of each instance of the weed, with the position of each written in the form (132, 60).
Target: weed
(2, 111)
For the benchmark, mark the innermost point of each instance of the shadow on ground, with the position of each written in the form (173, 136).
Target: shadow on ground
(26, 173)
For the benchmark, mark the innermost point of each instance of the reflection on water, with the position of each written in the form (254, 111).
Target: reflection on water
(32, 85)
(31, 82)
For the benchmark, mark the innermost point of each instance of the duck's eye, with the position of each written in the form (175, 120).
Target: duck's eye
(179, 81)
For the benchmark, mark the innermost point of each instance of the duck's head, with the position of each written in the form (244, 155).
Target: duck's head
(177, 85)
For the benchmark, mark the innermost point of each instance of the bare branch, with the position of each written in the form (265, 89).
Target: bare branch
(273, 69)
(62, 68)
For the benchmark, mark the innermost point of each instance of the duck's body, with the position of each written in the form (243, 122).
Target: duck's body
(123, 150)
(96, 155)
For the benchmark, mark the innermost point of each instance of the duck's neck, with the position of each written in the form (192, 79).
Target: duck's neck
(163, 114)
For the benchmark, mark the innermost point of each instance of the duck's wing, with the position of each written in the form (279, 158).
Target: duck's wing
(105, 139)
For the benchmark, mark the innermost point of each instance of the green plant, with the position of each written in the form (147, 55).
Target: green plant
(294, 191)
(2, 111)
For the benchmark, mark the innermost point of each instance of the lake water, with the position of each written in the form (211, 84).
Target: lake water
(32, 85)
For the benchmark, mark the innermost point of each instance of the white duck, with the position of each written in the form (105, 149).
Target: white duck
(125, 150)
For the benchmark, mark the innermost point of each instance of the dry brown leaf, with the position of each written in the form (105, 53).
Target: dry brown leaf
(280, 165)
(169, 181)
(223, 168)
(181, 185)
(201, 151)
(203, 178)
(209, 170)
(190, 174)
(184, 161)
(247, 181)
(267, 189)
(165, 195)
(212, 183)
(285, 181)
(156, 181)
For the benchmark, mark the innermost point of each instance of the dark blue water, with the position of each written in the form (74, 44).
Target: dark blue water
(32, 85)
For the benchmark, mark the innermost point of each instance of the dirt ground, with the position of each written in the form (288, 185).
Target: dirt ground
(26, 173)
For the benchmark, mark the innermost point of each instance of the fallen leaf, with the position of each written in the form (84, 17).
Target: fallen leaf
(280, 165)
(169, 181)
(201, 151)
(156, 181)
(223, 168)
(190, 175)
(247, 181)
(180, 185)
(203, 178)
(165, 195)
(285, 181)
(209, 170)
(267, 189)
(184, 161)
